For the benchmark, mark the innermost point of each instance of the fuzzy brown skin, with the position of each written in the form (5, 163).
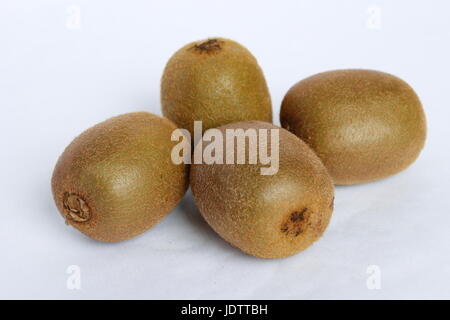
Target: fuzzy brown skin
(217, 81)
(116, 180)
(271, 216)
(365, 125)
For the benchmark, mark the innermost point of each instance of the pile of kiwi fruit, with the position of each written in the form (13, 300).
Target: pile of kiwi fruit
(117, 179)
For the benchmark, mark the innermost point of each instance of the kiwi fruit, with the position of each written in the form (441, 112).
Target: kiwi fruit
(267, 216)
(116, 180)
(364, 125)
(216, 81)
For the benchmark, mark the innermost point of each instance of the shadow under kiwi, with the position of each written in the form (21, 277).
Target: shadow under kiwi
(373, 183)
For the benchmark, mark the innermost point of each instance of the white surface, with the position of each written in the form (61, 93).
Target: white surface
(57, 80)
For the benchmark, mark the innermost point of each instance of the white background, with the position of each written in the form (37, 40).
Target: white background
(58, 78)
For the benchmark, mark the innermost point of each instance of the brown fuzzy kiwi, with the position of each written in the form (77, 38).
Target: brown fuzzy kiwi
(216, 81)
(116, 179)
(364, 125)
(268, 216)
